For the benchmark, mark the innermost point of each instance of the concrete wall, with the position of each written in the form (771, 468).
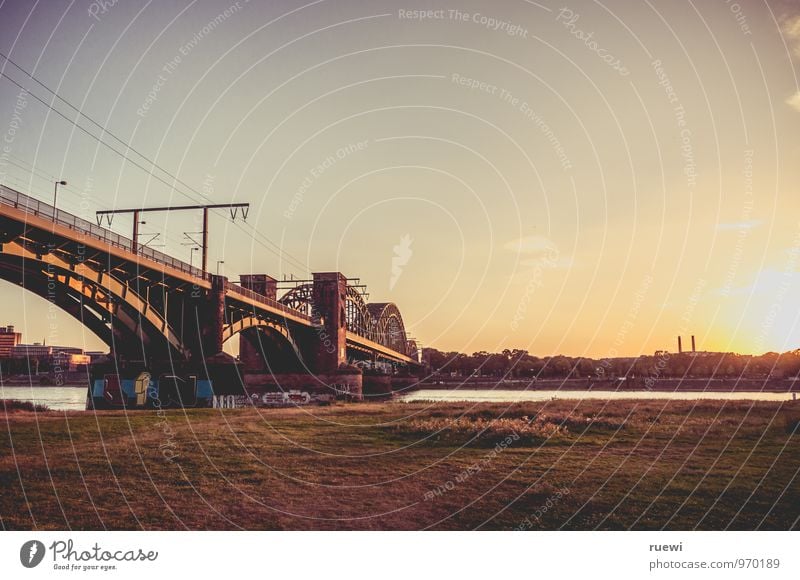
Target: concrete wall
(339, 382)
(377, 387)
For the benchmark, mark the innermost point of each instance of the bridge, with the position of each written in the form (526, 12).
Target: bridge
(154, 309)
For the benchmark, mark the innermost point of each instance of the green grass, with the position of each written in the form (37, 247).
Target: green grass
(573, 465)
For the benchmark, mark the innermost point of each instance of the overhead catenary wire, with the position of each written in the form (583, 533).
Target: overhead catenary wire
(128, 147)
(28, 185)
(259, 238)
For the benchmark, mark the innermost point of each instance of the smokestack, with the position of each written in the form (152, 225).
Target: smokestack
(680, 349)
(693, 343)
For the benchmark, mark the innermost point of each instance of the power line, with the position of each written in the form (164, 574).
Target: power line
(40, 174)
(297, 262)
(44, 176)
(33, 172)
(277, 249)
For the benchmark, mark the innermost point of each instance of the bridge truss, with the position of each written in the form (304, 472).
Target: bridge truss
(140, 301)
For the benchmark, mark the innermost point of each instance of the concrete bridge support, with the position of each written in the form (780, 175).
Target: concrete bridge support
(250, 344)
(211, 318)
(260, 284)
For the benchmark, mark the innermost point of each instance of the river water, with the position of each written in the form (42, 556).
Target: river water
(56, 398)
(74, 398)
(511, 396)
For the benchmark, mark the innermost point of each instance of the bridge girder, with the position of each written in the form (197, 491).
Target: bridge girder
(67, 300)
(101, 289)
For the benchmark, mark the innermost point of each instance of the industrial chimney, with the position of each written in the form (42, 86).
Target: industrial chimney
(693, 343)
(680, 349)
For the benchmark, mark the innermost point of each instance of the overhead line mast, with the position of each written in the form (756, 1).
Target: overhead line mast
(234, 207)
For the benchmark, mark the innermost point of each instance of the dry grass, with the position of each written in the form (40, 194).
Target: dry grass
(11, 405)
(479, 430)
(626, 464)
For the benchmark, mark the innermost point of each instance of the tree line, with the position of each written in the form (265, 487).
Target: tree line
(519, 364)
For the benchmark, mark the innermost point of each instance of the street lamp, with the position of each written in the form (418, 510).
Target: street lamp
(55, 190)
(218, 263)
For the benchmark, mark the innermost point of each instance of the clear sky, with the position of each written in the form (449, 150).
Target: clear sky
(588, 178)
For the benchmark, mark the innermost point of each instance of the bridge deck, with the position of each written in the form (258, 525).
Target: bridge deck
(34, 214)
(368, 345)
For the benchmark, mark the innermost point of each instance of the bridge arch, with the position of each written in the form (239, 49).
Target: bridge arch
(380, 322)
(357, 314)
(98, 293)
(265, 343)
(255, 322)
(387, 326)
(64, 298)
(300, 298)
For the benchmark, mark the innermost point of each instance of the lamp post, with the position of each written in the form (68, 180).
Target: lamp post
(218, 263)
(55, 191)
(191, 255)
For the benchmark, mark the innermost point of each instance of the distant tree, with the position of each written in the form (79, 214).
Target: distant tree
(518, 363)
(585, 367)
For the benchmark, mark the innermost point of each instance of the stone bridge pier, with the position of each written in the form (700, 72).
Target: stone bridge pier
(321, 366)
(330, 321)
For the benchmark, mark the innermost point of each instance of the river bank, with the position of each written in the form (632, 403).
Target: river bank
(73, 398)
(629, 384)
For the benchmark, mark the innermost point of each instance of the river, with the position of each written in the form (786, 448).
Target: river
(74, 398)
(55, 398)
(513, 396)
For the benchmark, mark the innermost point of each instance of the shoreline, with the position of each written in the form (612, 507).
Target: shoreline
(635, 385)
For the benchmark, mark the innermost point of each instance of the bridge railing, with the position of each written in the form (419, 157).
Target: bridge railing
(30, 205)
(86, 228)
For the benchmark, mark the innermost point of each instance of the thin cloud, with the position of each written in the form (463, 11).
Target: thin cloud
(794, 101)
(539, 252)
(560, 263)
(769, 284)
(743, 225)
(790, 25)
(531, 245)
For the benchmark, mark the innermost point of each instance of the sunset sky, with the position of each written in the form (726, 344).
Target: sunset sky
(586, 178)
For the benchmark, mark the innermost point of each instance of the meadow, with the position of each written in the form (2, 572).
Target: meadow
(577, 465)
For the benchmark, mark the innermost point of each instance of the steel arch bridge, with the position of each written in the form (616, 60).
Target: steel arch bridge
(147, 305)
(378, 322)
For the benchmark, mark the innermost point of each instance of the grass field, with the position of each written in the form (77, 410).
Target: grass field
(561, 464)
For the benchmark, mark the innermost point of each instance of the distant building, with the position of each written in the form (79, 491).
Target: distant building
(95, 355)
(42, 350)
(63, 358)
(36, 350)
(70, 363)
(8, 340)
